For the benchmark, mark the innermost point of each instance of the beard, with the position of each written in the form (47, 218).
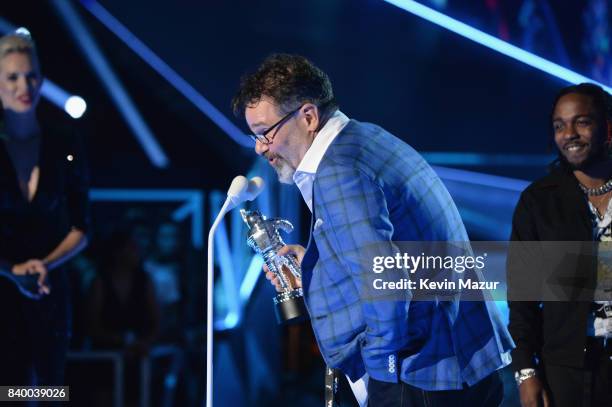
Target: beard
(284, 170)
(593, 157)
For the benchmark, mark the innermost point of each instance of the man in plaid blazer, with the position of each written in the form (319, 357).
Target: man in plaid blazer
(366, 190)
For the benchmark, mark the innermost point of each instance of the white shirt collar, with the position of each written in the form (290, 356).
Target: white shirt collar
(305, 173)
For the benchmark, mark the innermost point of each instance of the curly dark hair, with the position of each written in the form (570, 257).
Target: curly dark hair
(290, 80)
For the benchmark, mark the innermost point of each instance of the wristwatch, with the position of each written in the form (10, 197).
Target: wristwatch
(523, 375)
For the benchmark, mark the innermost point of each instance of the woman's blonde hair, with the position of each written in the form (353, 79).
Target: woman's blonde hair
(20, 41)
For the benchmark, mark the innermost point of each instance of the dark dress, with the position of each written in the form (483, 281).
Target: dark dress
(35, 334)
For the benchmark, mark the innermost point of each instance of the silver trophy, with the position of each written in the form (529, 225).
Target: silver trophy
(264, 238)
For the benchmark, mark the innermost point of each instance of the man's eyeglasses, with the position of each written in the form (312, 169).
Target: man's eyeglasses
(263, 138)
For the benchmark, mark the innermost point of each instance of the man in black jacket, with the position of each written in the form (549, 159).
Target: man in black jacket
(563, 348)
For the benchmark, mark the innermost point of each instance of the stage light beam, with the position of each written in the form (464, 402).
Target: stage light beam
(493, 43)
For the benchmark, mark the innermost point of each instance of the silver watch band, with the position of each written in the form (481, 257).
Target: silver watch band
(523, 375)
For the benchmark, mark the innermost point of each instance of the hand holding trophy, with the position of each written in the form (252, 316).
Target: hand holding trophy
(264, 238)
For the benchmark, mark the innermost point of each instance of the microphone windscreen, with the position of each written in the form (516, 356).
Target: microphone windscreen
(256, 185)
(238, 186)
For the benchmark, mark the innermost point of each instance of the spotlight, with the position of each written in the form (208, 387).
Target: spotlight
(75, 106)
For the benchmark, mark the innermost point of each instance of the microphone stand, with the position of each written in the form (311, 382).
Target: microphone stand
(227, 206)
(239, 191)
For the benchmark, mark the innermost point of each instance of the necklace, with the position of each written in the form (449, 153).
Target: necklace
(596, 203)
(600, 190)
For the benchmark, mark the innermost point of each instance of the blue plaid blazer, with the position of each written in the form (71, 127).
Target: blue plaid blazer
(371, 187)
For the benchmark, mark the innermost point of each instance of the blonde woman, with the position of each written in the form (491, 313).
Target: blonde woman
(43, 222)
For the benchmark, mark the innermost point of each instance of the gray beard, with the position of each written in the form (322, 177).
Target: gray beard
(284, 170)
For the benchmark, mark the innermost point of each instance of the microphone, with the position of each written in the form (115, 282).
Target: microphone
(239, 191)
(242, 190)
(236, 191)
(256, 185)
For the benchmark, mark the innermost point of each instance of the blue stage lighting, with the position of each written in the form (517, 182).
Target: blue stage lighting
(114, 87)
(74, 105)
(162, 68)
(487, 159)
(250, 278)
(492, 42)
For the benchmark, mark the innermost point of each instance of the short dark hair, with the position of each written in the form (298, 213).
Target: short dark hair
(601, 98)
(290, 80)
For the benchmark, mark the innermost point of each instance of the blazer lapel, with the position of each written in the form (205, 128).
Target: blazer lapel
(312, 252)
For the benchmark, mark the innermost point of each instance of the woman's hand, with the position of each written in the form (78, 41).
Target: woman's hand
(34, 266)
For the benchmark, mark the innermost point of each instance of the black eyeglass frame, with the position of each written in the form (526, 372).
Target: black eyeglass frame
(262, 138)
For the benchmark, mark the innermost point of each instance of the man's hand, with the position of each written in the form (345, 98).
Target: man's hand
(294, 250)
(533, 393)
(34, 266)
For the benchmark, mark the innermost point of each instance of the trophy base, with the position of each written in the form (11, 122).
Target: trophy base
(289, 307)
